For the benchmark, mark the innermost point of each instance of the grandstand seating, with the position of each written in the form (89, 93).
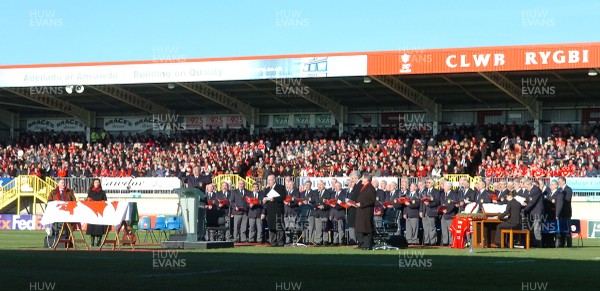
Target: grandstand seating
(491, 150)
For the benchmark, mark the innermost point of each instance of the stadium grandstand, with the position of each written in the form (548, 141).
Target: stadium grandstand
(491, 113)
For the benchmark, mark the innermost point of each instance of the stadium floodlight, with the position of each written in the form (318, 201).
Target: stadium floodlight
(592, 73)
(79, 89)
(367, 79)
(69, 89)
(171, 86)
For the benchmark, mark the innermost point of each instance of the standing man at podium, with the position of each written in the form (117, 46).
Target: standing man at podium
(198, 180)
(275, 194)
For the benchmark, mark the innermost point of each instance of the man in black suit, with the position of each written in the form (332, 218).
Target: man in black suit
(555, 211)
(511, 217)
(275, 194)
(466, 194)
(411, 215)
(567, 211)
(535, 210)
(394, 195)
(308, 194)
(430, 216)
(291, 206)
(321, 213)
(354, 189)
(239, 211)
(225, 194)
(448, 200)
(502, 192)
(256, 214)
(337, 214)
(483, 195)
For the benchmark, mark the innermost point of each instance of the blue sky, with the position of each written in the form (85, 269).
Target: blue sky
(48, 31)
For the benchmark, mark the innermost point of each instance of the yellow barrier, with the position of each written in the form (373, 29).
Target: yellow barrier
(25, 186)
(232, 180)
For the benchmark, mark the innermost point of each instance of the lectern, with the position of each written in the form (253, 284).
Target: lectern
(194, 217)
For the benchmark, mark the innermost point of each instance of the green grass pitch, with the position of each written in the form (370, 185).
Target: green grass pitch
(26, 265)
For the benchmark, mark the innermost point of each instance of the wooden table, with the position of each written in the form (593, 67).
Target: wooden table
(484, 232)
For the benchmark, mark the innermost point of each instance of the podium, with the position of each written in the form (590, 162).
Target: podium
(194, 218)
(193, 212)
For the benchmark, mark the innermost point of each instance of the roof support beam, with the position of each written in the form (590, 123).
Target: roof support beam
(393, 83)
(131, 99)
(571, 85)
(463, 88)
(512, 90)
(87, 117)
(210, 93)
(339, 111)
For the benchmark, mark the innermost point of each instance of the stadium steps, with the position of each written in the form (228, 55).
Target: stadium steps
(232, 180)
(25, 191)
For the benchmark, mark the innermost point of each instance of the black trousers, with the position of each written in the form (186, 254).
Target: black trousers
(364, 239)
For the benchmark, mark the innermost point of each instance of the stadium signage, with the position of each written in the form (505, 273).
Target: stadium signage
(128, 123)
(140, 184)
(68, 124)
(20, 222)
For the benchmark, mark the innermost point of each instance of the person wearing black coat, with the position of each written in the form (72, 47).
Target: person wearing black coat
(337, 214)
(483, 195)
(95, 193)
(411, 215)
(364, 213)
(273, 201)
(256, 214)
(354, 189)
(535, 210)
(430, 215)
(568, 211)
(448, 200)
(511, 217)
(321, 213)
(239, 210)
(291, 207)
(555, 211)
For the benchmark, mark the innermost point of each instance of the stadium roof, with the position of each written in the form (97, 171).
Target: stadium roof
(478, 78)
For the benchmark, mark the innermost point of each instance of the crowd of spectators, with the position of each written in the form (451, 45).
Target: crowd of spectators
(491, 150)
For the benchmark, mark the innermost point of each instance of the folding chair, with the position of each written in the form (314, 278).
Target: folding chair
(576, 229)
(384, 228)
(146, 225)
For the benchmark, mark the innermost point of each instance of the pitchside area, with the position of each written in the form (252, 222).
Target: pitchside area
(28, 266)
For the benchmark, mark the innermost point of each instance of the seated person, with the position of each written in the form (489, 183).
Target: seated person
(511, 217)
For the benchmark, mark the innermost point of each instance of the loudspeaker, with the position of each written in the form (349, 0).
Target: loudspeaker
(398, 241)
